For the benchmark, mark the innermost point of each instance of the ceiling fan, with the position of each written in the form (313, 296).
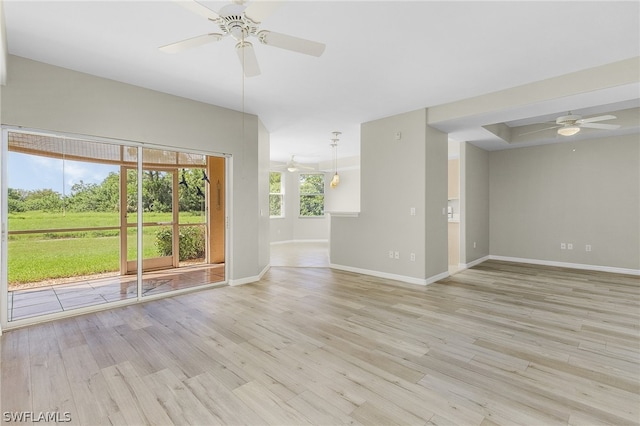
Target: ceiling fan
(570, 124)
(293, 166)
(242, 22)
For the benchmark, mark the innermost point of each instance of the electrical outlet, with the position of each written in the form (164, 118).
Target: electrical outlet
(390, 254)
(563, 246)
(474, 244)
(412, 211)
(413, 257)
(587, 247)
(396, 255)
(570, 246)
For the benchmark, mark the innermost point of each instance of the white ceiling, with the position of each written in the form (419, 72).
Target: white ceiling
(382, 58)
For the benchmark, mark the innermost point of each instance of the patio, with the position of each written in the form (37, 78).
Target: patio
(89, 292)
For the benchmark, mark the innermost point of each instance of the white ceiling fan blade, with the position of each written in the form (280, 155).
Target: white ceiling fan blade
(288, 42)
(196, 7)
(259, 10)
(248, 59)
(191, 42)
(539, 130)
(599, 118)
(600, 126)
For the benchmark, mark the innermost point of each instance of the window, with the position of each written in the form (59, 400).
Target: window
(276, 195)
(311, 195)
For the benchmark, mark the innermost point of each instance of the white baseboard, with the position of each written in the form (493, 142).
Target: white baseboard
(474, 262)
(249, 280)
(386, 275)
(437, 277)
(568, 265)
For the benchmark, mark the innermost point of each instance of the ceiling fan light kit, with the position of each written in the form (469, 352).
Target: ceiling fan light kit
(241, 22)
(293, 166)
(568, 130)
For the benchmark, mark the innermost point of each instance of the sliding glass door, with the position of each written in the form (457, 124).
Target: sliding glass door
(92, 222)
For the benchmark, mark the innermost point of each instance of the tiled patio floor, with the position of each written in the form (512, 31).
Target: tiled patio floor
(63, 297)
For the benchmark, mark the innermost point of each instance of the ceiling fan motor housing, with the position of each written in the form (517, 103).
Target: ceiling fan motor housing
(238, 26)
(568, 120)
(233, 21)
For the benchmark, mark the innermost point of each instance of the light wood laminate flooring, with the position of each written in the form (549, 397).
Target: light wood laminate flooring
(300, 254)
(500, 343)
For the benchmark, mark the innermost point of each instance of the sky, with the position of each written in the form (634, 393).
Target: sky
(32, 172)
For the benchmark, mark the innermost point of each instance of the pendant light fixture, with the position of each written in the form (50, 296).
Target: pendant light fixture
(334, 144)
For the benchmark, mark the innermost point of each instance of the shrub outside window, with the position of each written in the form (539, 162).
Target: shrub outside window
(311, 194)
(276, 195)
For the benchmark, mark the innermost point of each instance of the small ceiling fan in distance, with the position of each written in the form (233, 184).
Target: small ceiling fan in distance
(570, 124)
(242, 22)
(293, 166)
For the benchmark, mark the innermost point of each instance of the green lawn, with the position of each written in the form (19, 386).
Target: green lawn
(44, 220)
(37, 257)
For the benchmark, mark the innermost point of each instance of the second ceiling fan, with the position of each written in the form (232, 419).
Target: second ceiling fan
(570, 124)
(243, 22)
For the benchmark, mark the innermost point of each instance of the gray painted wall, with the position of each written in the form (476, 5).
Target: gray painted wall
(264, 147)
(46, 97)
(2, 297)
(346, 196)
(395, 176)
(436, 165)
(475, 216)
(580, 193)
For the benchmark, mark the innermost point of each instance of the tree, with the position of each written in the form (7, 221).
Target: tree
(109, 192)
(156, 191)
(83, 197)
(275, 194)
(132, 191)
(87, 197)
(16, 200)
(43, 199)
(312, 194)
(192, 190)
